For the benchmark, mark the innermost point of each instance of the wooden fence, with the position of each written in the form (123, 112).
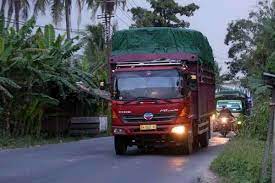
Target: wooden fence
(269, 152)
(87, 126)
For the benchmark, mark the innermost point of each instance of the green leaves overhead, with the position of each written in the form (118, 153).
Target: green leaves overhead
(165, 13)
(252, 52)
(6, 83)
(49, 35)
(252, 41)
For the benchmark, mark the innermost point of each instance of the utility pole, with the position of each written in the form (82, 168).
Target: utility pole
(106, 17)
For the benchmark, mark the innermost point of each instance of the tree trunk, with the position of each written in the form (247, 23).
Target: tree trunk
(68, 6)
(2, 11)
(7, 115)
(10, 12)
(17, 12)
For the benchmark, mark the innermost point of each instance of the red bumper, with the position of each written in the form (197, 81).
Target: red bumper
(135, 130)
(162, 136)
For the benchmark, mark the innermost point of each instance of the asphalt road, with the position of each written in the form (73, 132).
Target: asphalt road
(94, 161)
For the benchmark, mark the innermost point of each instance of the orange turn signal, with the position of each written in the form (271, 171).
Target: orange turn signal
(183, 112)
(114, 116)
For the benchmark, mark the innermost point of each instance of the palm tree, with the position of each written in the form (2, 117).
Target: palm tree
(68, 7)
(16, 8)
(2, 10)
(61, 7)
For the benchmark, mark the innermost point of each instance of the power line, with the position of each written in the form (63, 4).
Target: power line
(42, 26)
(123, 21)
(126, 4)
(123, 12)
(129, 5)
(130, 18)
(133, 2)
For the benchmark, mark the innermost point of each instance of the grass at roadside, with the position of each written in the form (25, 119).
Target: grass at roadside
(7, 142)
(240, 161)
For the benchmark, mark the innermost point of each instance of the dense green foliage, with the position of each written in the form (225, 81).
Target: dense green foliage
(95, 59)
(240, 161)
(37, 80)
(165, 13)
(252, 41)
(35, 76)
(252, 50)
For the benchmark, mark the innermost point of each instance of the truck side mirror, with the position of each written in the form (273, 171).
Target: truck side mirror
(192, 82)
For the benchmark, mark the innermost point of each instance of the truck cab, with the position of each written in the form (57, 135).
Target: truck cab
(159, 98)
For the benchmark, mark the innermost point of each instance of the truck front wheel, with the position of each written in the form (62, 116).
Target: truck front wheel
(189, 145)
(120, 145)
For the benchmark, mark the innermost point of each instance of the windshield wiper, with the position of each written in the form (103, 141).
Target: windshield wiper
(147, 98)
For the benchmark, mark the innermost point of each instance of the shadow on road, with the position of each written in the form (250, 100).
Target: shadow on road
(216, 141)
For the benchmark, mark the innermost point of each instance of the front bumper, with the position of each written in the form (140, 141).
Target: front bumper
(135, 130)
(162, 136)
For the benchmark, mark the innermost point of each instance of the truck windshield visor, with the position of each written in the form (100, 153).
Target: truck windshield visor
(153, 84)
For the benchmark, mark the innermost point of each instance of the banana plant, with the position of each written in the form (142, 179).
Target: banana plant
(35, 75)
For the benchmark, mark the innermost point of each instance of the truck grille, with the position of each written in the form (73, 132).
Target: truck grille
(166, 117)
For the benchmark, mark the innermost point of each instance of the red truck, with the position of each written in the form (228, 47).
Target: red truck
(162, 88)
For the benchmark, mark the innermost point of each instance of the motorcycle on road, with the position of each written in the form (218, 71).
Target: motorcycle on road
(224, 124)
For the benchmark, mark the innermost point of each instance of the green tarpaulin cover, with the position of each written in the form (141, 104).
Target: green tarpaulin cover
(162, 40)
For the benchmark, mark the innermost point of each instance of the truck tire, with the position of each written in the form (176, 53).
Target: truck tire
(120, 145)
(188, 146)
(224, 133)
(204, 139)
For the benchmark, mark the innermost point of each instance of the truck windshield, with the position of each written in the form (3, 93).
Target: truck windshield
(160, 84)
(233, 105)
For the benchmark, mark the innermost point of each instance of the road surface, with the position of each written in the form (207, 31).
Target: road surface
(94, 161)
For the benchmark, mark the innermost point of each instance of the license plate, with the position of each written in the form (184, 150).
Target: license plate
(148, 127)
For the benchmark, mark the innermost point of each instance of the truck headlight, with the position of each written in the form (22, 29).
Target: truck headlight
(213, 117)
(179, 130)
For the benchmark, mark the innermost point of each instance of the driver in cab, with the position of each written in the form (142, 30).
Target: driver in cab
(225, 112)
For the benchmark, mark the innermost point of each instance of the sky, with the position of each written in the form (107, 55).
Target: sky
(211, 19)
